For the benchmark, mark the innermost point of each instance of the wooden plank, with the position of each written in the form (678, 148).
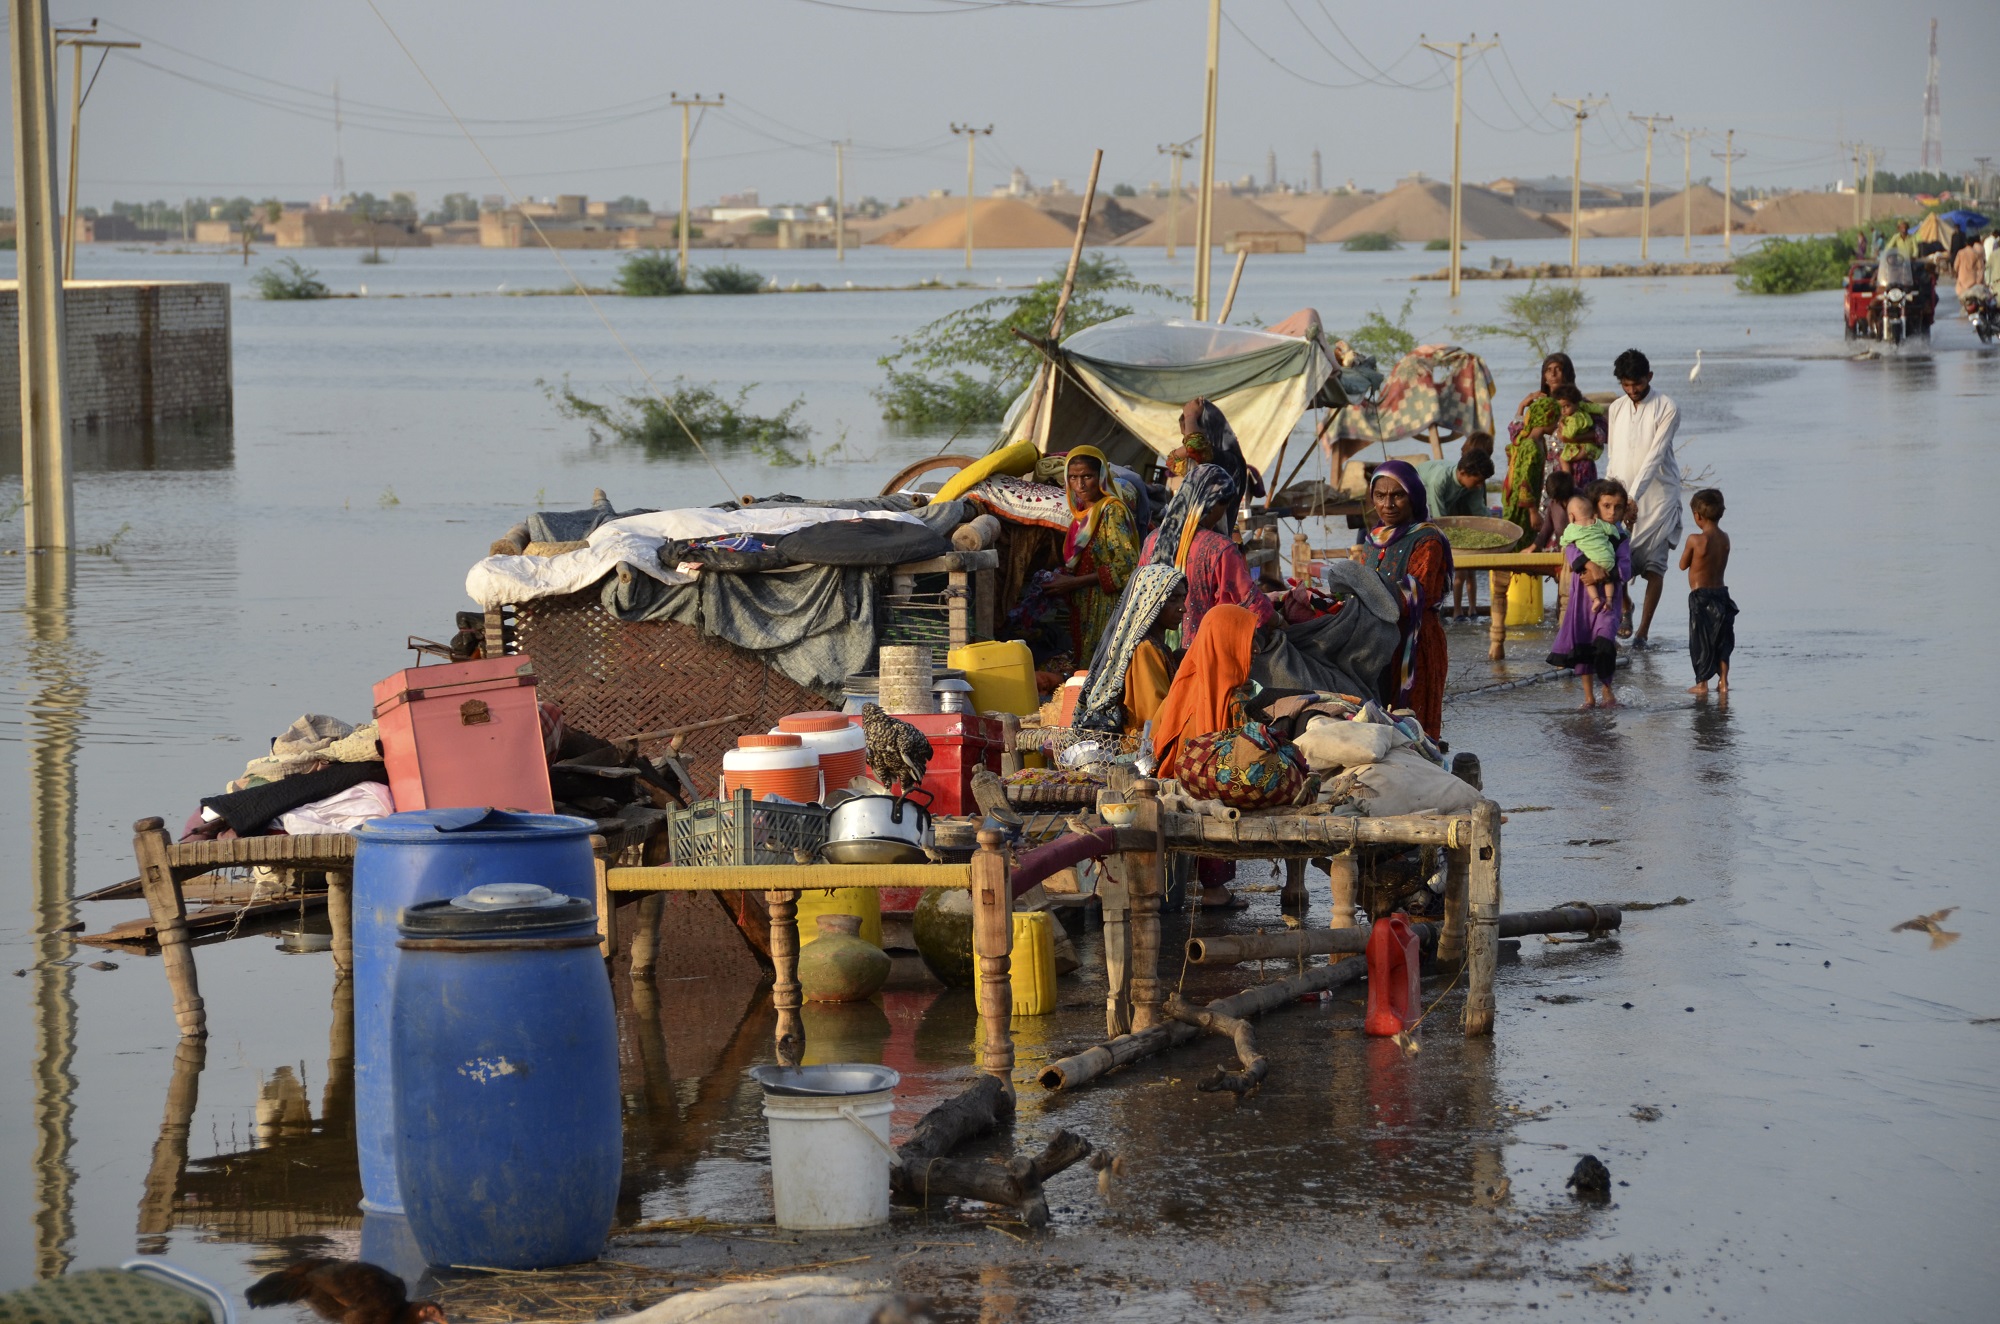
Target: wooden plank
(322, 849)
(984, 559)
(1533, 563)
(1275, 835)
(795, 877)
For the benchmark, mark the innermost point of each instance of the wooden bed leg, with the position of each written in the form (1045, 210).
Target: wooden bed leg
(783, 908)
(1341, 871)
(1147, 880)
(607, 918)
(1483, 906)
(1457, 869)
(646, 935)
(958, 608)
(170, 1151)
(1496, 628)
(985, 588)
(992, 953)
(163, 898)
(340, 913)
(1010, 734)
(1114, 901)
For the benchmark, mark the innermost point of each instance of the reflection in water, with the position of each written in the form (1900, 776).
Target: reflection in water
(55, 724)
(179, 445)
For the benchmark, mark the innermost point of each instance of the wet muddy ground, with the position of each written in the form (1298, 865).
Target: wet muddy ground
(1800, 1102)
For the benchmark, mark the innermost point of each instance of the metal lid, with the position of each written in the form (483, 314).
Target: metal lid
(483, 823)
(833, 1079)
(536, 919)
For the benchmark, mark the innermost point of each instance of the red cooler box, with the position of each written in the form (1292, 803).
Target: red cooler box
(960, 744)
(466, 735)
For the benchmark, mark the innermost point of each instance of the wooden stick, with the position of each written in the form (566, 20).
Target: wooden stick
(783, 908)
(1483, 905)
(1255, 1065)
(1235, 279)
(1234, 948)
(1496, 626)
(1032, 426)
(607, 915)
(644, 737)
(340, 913)
(923, 1169)
(992, 948)
(1146, 878)
(1268, 836)
(163, 899)
(1084, 1067)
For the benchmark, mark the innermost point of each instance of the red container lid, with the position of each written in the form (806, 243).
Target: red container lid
(813, 722)
(768, 742)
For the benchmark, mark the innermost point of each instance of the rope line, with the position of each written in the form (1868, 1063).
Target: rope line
(554, 252)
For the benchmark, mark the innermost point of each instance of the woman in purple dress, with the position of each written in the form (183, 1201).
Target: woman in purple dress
(1587, 639)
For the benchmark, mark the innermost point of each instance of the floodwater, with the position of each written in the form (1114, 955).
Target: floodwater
(1826, 1140)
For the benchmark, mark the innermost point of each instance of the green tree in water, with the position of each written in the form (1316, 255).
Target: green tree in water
(966, 367)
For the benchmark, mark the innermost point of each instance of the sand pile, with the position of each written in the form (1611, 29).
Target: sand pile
(1317, 213)
(996, 223)
(1823, 213)
(1233, 215)
(893, 225)
(1420, 212)
(1612, 222)
(1110, 217)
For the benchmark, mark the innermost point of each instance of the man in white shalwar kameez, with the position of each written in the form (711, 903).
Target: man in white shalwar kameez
(1641, 456)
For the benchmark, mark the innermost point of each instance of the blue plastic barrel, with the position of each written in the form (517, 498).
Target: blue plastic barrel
(431, 855)
(509, 1143)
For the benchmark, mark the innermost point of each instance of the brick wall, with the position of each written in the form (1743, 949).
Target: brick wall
(138, 351)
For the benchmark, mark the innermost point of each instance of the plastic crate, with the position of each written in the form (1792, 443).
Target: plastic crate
(744, 831)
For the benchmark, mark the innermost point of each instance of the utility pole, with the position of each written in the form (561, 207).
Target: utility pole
(1932, 157)
(1179, 152)
(1729, 156)
(687, 104)
(1456, 50)
(1204, 204)
(1687, 137)
(1855, 148)
(45, 468)
(339, 159)
(77, 39)
(1868, 201)
(1579, 109)
(840, 201)
(971, 138)
(1646, 194)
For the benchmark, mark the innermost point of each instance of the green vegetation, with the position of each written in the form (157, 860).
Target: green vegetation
(966, 367)
(1543, 317)
(286, 279)
(660, 422)
(764, 225)
(1918, 181)
(1440, 246)
(1387, 341)
(730, 279)
(1124, 191)
(1781, 265)
(1373, 241)
(653, 273)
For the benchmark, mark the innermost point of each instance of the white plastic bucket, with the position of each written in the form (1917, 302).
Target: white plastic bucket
(830, 1151)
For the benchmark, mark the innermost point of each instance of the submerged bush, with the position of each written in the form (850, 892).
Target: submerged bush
(286, 279)
(654, 421)
(1544, 317)
(1372, 241)
(654, 273)
(1793, 266)
(730, 279)
(966, 367)
(1385, 340)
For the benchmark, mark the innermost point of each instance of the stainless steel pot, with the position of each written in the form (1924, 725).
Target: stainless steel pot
(878, 829)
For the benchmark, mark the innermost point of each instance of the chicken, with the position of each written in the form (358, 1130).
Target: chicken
(897, 751)
(1591, 1180)
(346, 1292)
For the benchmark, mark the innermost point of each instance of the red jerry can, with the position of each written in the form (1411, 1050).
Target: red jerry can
(1395, 998)
(467, 735)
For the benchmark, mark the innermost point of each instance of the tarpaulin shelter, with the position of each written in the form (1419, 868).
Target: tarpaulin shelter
(1120, 385)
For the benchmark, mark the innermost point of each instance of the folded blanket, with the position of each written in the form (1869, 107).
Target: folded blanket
(249, 812)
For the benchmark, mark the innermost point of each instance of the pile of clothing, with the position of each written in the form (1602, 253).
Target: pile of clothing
(322, 775)
(1372, 762)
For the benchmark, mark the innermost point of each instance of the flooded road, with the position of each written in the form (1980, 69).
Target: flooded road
(1825, 1144)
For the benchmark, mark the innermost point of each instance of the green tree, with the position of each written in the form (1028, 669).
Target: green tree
(652, 273)
(1543, 317)
(1383, 339)
(966, 367)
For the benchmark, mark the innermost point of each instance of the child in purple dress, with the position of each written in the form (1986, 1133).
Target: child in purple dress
(1587, 639)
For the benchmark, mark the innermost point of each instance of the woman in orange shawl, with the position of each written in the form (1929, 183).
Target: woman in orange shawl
(1202, 700)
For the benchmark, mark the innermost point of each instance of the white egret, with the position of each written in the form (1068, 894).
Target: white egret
(1695, 371)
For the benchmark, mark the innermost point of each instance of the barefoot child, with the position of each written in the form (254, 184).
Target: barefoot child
(1560, 490)
(1586, 640)
(1578, 444)
(1595, 531)
(1711, 612)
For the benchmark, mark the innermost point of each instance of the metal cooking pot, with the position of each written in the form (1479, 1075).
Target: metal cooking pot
(896, 818)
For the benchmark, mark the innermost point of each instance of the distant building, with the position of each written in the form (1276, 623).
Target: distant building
(345, 229)
(1551, 193)
(571, 220)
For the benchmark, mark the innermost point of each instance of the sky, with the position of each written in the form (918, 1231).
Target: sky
(235, 98)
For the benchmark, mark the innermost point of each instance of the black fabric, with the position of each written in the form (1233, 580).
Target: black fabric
(1339, 654)
(1711, 631)
(250, 812)
(672, 554)
(863, 542)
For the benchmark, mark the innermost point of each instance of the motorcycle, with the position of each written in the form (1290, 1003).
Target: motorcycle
(1890, 298)
(1982, 310)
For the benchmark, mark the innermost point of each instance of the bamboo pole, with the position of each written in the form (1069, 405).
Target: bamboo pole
(163, 899)
(1084, 1067)
(1146, 878)
(1483, 905)
(783, 908)
(992, 948)
(1204, 223)
(1235, 948)
(1235, 279)
(1043, 407)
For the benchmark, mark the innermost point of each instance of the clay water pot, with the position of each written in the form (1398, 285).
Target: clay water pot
(839, 965)
(942, 927)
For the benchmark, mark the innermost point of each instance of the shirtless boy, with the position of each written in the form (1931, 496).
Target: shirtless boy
(1711, 612)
